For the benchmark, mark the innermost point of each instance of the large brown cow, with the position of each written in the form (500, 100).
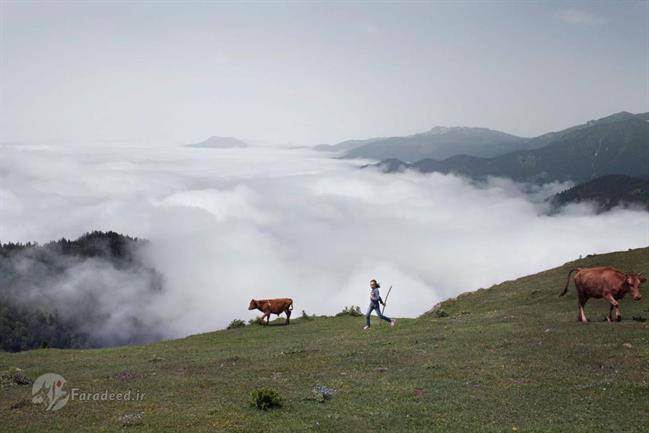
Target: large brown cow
(272, 306)
(604, 282)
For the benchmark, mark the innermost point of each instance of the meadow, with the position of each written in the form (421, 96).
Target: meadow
(508, 358)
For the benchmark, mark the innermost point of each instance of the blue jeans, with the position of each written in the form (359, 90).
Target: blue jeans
(375, 306)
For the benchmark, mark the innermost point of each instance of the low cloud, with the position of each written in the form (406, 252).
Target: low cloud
(229, 225)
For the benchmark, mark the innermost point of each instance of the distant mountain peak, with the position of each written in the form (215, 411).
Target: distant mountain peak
(616, 117)
(439, 142)
(216, 142)
(441, 130)
(438, 130)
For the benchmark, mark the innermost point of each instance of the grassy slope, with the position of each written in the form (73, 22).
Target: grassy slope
(510, 356)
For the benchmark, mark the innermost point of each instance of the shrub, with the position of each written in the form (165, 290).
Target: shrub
(440, 313)
(256, 321)
(264, 399)
(323, 393)
(236, 323)
(352, 310)
(306, 316)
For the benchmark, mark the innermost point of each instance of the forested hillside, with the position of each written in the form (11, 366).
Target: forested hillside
(63, 293)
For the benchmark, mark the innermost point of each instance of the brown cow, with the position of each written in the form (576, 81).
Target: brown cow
(604, 282)
(272, 306)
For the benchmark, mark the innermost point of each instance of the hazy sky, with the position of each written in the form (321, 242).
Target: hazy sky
(307, 73)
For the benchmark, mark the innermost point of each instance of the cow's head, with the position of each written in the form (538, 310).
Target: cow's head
(633, 281)
(252, 305)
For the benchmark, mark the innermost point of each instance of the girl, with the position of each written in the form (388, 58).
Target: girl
(375, 299)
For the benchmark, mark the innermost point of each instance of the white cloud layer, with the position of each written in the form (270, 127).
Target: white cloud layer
(227, 226)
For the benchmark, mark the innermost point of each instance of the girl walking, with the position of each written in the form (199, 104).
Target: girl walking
(375, 304)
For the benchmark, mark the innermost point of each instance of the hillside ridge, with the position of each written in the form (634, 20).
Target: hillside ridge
(492, 360)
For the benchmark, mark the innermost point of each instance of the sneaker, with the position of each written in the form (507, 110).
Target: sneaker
(365, 328)
(393, 322)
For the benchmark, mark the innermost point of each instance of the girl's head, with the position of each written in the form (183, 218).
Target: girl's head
(374, 284)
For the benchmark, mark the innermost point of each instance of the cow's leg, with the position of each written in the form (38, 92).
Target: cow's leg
(610, 314)
(268, 319)
(614, 304)
(581, 302)
(288, 316)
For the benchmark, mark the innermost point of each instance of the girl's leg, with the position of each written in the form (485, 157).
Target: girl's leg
(386, 318)
(367, 315)
(377, 307)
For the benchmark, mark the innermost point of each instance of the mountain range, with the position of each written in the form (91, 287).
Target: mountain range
(438, 143)
(616, 144)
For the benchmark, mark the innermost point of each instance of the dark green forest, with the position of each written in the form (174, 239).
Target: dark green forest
(50, 294)
(607, 192)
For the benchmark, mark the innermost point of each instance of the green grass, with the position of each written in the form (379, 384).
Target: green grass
(512, 357)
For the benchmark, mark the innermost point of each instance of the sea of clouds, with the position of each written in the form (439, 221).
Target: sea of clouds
(229, 225)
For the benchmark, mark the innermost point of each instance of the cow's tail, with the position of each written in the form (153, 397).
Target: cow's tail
(565, 289)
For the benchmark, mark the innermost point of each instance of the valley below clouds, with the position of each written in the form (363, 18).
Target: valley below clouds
(229, 225)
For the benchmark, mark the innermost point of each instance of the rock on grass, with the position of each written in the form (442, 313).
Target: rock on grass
(14, 376)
